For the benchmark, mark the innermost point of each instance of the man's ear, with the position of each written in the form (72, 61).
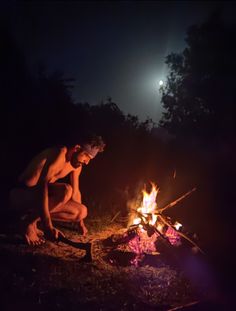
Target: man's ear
(77, 148)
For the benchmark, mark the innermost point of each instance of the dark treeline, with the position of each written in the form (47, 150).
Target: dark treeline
(199, 98)
(200, 106)
(38, 112)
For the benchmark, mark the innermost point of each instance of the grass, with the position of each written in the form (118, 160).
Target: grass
(52, 277)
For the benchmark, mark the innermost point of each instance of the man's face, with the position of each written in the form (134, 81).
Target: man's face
(79, 158)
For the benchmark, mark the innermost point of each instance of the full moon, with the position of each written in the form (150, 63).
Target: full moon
(161, 82)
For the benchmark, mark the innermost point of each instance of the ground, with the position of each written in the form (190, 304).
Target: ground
(53, 277)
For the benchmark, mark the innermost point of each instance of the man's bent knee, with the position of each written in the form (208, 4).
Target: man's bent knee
(82, 212)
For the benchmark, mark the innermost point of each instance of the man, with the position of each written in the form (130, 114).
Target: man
(48, 199)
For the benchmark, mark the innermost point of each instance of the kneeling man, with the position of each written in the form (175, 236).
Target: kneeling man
(48, 199)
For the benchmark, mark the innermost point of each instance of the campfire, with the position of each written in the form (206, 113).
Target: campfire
(149, 228)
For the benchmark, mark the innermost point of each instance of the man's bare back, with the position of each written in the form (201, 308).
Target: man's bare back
(51, 164)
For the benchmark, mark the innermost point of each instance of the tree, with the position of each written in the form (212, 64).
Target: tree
(199, 97)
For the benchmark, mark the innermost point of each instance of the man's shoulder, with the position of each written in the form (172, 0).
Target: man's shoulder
(62, 149)
(53, 154)
(56, 150)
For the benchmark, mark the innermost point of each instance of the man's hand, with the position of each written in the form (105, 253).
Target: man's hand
(53, 233)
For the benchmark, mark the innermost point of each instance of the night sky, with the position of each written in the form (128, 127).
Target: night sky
(114, 49)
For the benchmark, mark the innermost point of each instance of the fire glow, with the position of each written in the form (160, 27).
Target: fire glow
(151, 232)
(150, 223)
(148, 211)
(148, 206)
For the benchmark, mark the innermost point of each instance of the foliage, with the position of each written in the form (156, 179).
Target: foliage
(39, 112)
(199, 97)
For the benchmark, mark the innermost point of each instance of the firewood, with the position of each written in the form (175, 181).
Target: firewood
(176, 201)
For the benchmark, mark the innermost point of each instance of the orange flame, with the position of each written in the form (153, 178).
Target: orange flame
(148, 206)
(149, 210)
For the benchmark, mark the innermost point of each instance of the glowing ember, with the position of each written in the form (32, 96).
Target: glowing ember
(177, 225)
(173, 236)
(142, 243)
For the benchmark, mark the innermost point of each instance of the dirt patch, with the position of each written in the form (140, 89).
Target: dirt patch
(53, 277)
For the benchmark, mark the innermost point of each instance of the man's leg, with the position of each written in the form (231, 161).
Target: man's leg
(28, 200)
(25, 201)
(71, 212)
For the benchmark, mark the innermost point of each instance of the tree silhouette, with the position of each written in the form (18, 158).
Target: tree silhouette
(200, 92)
(39, 112)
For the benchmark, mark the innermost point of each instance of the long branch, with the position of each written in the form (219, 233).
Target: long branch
(181, 234)
(176, 201)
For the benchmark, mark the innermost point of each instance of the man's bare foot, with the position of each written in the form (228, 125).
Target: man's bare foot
(39, 232)
(32, 236)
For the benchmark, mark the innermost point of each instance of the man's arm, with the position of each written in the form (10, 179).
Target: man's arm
(76, 194)
(49, 169)
(74, 179)
(46, 218)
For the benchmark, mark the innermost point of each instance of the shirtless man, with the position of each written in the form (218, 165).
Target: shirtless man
(48, 199)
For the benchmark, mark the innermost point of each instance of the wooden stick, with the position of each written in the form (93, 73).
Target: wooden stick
(113, 218)
(145, 225)
(170, 225)
(184, 306)
(176, 201)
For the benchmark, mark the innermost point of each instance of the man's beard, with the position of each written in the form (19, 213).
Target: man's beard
(77, 164)
(74, 162)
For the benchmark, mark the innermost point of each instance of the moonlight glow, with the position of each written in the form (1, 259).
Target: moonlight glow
(161, 83)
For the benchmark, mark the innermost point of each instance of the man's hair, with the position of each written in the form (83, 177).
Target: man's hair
(95, 141)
